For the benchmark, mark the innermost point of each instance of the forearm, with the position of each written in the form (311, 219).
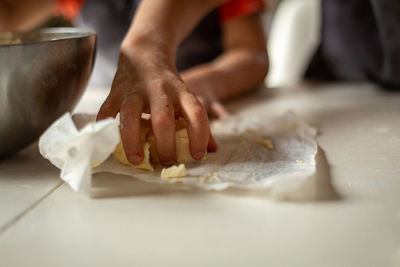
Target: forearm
(22, 15)
(6, 19)
(162, 24)
(231, 74)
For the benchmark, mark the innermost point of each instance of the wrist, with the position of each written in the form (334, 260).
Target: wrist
(149, 45)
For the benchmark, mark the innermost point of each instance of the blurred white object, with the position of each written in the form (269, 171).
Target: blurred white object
(293, 39)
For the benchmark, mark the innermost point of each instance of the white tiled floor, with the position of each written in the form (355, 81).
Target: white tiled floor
(131, 223)
(24, 180)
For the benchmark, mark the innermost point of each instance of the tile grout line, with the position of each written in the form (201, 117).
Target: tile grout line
(17, 218)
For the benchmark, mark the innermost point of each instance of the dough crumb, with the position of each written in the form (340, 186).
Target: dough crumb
(209, 179)
(266, 143)
(300, 161)
(252, 131)
(173, 172)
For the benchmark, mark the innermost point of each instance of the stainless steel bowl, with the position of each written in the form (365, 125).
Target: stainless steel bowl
(42, 75)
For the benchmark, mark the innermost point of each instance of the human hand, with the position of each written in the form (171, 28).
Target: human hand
(199, 82)
(145, 82)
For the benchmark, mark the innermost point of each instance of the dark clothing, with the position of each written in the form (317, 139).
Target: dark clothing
(360, 41)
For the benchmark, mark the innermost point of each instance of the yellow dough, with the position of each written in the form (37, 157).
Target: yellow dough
(181, 145)
(181, 142)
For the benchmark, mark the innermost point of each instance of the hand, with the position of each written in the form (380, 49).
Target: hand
(199, 82)
(144, 82)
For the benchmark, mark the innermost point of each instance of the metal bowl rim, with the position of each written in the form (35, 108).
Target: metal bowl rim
(80, 33)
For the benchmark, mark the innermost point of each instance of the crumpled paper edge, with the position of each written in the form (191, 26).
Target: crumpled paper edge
(66, 146)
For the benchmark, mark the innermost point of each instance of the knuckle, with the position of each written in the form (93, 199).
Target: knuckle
(185, 95)
(160, 85)
(126, 115)
(198, 111)
(131, 96)
(162, 121)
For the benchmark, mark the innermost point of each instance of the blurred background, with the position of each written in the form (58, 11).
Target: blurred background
(292, 28)
(293, 32)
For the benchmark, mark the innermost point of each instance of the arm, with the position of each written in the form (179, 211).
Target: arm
(147, 80)
(242, 67)
(22, 15)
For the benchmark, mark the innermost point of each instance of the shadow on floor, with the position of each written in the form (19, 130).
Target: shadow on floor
(109, 185)
(319, 187)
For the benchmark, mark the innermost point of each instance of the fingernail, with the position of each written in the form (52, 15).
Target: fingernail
(198, 155)
(135, 159)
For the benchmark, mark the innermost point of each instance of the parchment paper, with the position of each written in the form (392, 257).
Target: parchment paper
(239, 162)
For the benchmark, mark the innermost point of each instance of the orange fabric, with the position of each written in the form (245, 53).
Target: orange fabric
(237, 8)
(229, 10)
(69, 8)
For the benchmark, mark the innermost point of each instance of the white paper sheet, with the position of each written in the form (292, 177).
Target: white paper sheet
(239, 162)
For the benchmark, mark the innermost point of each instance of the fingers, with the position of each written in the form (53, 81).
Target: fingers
(131, 111)
(214, 107)
(163, 123)
(218, 110)
(109, 108)
(160, 102)
(112, 104)
(212, 145)
(197, 124)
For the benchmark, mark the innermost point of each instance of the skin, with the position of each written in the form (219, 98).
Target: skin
(23, 15)
(244, 55)
(147, 80)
